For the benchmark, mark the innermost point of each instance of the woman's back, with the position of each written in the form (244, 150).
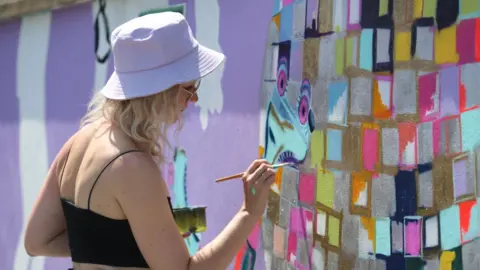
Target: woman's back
(99, 233)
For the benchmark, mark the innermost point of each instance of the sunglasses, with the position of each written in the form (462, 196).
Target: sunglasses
(192, 89)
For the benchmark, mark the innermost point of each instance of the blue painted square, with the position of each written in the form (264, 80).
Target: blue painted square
(277, 6)
(366, 49)
(286, 23)
(337, 102)
(450, 228)
(382, 236)
(334, 144)
(470, 132)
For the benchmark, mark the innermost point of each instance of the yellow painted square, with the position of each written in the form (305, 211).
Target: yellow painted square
(333, 231)
(429, 8)
(402, 46)
(317, 148)
(418, 9)
(349, 52)
(383, 10)
(446, 46)
(325, 187)
(339, 56)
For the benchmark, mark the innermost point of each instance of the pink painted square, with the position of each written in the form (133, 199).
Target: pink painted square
(413, 237)
(301, 221)
(306, 189)
(279, 242)
(428, 97)
(292, 247)
(467, 31)
(370, 153)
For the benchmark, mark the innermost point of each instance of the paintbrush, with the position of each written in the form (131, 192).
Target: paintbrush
(238, 175)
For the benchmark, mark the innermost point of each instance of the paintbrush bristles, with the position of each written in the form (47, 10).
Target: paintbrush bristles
(238, 175)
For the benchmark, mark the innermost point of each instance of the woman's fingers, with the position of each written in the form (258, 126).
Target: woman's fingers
(254, 166)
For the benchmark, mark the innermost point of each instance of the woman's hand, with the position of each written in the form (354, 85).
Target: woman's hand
(256, 184)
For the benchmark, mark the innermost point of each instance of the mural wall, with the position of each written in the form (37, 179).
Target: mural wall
(378, 103)
(48, 70)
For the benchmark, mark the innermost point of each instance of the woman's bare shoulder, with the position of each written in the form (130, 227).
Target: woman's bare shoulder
(134, 168)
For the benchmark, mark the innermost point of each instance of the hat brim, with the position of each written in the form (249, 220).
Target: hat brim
(195, 65)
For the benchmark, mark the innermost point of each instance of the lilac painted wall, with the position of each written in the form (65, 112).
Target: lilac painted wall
(227, 144)
(10, 190)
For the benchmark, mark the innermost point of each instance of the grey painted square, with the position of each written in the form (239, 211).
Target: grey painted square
(397, 237)
(302, 251)
(342, 191)
(284, 218)
(383, 196)
(380, 265)
(424, 44)
(425, 142)
(470, 80)
(278, 263)
(364, 264)
(289, 184)
(267, 234)
(383, 43)
(471, 255)
(318, 257)
(320, 100)
(327, 57)
(433, 264)
(333, 261)
(404, 92)
(350, 232)
(390, 146)
(361, 96)
(425, 193)
(454, 135)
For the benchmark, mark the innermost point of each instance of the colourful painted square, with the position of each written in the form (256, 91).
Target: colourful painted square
(366, 49)
(370, 143)
(431, 238)
(450, 228)
(334, 144)
(382, 236)
(334, 228)
(306, 188)
(325, 187)
(469, 9)
(449, 91)
(337, 102)
(279, 237)
(468, 35)
(286, 23)
(469, 125)
(469, 225)
(413, 236)
(402, 46)
(446, 46)
(428, 96)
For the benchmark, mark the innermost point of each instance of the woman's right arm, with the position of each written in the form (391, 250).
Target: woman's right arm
(142, 194)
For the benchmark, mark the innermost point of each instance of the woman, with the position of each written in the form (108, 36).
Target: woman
(104, 202)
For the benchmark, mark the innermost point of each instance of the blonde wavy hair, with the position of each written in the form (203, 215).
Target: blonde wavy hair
(145, 120)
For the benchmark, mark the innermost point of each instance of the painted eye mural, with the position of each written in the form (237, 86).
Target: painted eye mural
(282, 76)
(288, 129)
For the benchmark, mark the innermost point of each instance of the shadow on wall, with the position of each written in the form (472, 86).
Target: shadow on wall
(387, 136)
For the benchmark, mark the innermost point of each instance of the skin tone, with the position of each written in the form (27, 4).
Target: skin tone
(130, 189)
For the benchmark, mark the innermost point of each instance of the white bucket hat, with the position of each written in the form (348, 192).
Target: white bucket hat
(155, 52)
